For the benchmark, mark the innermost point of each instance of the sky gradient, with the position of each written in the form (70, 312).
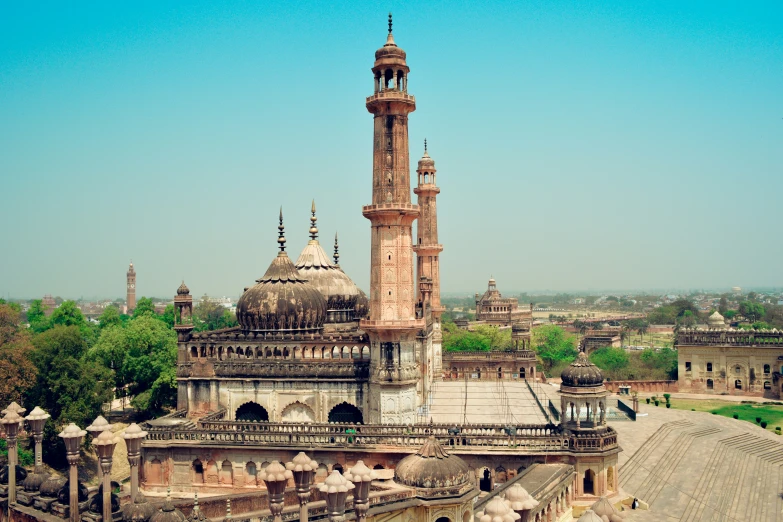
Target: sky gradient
(579, 146)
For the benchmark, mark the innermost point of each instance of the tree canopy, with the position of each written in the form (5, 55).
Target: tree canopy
(554, 347)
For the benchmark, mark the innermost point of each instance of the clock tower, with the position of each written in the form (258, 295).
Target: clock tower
(131, 297)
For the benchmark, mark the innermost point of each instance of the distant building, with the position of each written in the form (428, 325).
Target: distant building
(48, 304)
(494, 309)
(599, 338)
(738, 362)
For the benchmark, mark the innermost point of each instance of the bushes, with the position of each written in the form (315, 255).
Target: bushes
(735, 416)
(764, 424)
(648, 400)
(758, 420)
(668, 405)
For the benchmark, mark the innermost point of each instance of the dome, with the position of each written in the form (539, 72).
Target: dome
(390, 54)
(344, 300)
(432, 468)
(52, 486)
(138, 511)
(183, 289)
(590, 516)
(281, 299)
(582, 373)
(168, 513)
(426, 163)
(716, 319)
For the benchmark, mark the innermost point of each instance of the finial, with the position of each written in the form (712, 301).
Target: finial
(168, 493)
(281, 235)
(390, 23)
(195, 501)
(425, 145)
(336, 253)
(313, 228)
(228, 507)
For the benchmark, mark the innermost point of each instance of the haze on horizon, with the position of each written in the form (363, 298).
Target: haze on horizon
(613, 145)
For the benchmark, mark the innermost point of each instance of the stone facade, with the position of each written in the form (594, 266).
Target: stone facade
(729, 361)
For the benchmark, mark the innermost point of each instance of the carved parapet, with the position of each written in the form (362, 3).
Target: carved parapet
(318, 369)
(394, 372)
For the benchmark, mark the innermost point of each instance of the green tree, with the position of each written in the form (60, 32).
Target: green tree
(143, 357)
(723, 305)
(610, 358)
(212, 316)
(498, 339)
(730, 314)
(144, 306)
(36, 316)
(69, 387)
(169, 316)
(465, 341)
(752, 311)
(109, 317)
(553, 345)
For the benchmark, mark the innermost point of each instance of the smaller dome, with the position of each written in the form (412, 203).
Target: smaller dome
(426, 162)
(52, 486)
(590, 516)
(432, 468)
(138, 511)
(183, 289)
(716, 319)
(582, 373)
(168, 513)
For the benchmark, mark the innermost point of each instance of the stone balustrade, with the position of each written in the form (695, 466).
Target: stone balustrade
(730, 337)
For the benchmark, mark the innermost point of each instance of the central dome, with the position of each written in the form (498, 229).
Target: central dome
(281, 300)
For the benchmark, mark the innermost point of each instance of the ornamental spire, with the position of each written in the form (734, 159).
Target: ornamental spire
(313, 227)
(336, 253)
(425, 145)
(390, 23)
(281, 234)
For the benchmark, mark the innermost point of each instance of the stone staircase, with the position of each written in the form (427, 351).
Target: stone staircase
(699, 470)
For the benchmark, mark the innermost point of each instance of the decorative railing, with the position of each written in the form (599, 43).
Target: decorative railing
(533, 438)
(301, 368)
(391, 94)
(730, 337)
(488, 356)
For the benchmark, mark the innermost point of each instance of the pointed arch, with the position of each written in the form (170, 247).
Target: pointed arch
(251, 412)
(347, 413)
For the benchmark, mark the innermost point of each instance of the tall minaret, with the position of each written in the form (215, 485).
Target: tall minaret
(392, 324)
(427, 248)
(131, 281)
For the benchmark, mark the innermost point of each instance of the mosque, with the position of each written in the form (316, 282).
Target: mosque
(317, 365)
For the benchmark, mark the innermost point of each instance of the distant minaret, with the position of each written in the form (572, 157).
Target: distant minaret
(427, 248)
(131, 298)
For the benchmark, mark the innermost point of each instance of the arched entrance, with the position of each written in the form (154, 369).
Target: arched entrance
(485, 482)
(298, 412)
(347, 413)
(251, 412)
(588, 485)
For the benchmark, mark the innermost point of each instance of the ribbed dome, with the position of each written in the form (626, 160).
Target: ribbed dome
(582, 373)
(282, 300)
(344, 300)
(432, 468)
(168, 513)
(183, 289)
(716, 319)
(138, 511)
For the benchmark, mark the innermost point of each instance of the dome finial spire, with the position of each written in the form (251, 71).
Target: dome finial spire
(313, 228)
(425, 145)
(390, 22)
(336, 253)
(281, 234)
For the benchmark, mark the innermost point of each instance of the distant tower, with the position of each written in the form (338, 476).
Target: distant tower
(131, 297)
(427, 248)
(392, 325)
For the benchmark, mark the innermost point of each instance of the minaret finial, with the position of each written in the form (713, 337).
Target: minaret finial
(425, 144)
(313, 228)
(336, 253)
(281, 234)
(390, 23)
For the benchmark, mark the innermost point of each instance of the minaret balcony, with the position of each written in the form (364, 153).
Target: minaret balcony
(427, 249)
(405, 209)
(392, 94)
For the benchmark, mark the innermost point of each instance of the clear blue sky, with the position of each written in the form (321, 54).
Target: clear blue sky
(579, 145)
